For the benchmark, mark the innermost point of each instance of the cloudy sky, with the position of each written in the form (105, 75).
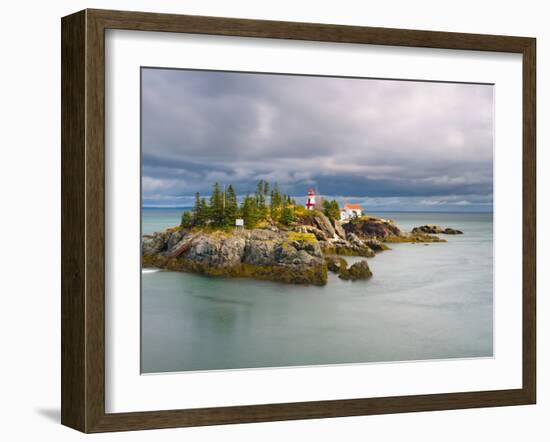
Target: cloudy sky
(390, 145)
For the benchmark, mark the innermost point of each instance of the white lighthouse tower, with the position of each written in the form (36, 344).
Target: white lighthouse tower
(310, 205)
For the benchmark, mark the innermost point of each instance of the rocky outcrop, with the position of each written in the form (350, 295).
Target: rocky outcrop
(376, 245)
(428, 228)
(451, 231)
(358, 246)
(319, 221)
(331, 235)
(413, 238)
(289, 257)
(155, 243)
(318, 233)
(174, 238)
(297, 254)
(359, 270)
(339, 229)
(346, 248)
(377, 231)
(336, 264)
(434, 229)
(372, 227)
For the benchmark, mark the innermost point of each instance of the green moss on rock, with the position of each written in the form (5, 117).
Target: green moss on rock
(336, 264)
(308, 238)
(307, 275)
(359, 270)
(332, 249)
(413, 238)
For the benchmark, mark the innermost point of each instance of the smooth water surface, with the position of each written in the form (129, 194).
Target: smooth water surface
(424, 302)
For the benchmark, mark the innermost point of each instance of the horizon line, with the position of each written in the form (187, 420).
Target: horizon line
(369, 211)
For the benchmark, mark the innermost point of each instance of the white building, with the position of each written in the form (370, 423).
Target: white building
(350, 211)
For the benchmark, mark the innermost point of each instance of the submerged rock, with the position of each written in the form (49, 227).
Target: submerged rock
(413, 238)
(434, 229)
(451, 231)
(359, 270)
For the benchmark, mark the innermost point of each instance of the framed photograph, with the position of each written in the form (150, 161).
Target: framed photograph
(270, 220)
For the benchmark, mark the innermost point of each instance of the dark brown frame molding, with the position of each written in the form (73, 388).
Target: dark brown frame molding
(83, 217)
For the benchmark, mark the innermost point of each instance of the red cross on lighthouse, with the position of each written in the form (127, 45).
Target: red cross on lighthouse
(310, 199)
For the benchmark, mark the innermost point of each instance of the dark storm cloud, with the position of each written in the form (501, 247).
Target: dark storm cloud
(408, 141)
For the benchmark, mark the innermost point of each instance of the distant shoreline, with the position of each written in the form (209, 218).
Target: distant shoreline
(370, 211)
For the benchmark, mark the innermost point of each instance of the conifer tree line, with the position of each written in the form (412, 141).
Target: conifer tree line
(222, 208)
(331, 209)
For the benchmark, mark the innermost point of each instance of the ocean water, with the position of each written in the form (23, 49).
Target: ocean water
(423, 302)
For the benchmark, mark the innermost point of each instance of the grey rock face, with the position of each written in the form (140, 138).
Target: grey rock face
(155, 243)
(359, 246)
(354, 239)
(174, 239)
(339, 229)
(319, 221)
(261, 234)
(319, 234)
(323, 223)
(265, 254)
(259, 252)
(216, 251)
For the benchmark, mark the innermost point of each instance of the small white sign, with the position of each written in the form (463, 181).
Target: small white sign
(239, 222)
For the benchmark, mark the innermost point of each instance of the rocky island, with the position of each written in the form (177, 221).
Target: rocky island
(282, 242)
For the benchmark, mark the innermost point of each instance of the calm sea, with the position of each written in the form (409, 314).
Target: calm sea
(423, 302)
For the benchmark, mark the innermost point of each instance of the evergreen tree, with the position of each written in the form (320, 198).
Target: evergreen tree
(276, 201)
(217, 209)
(197, 209)
(231, 206)
(249, 211)
(287, 216)
(331, 209)
(187, 219)
(260, 200)
(204, 213)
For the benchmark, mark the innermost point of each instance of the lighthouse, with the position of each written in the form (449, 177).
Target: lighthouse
(310, 199)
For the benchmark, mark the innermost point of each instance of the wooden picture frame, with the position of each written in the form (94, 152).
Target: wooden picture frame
(83, 220)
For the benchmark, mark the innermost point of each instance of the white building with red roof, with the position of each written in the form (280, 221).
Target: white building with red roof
(350, 211)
